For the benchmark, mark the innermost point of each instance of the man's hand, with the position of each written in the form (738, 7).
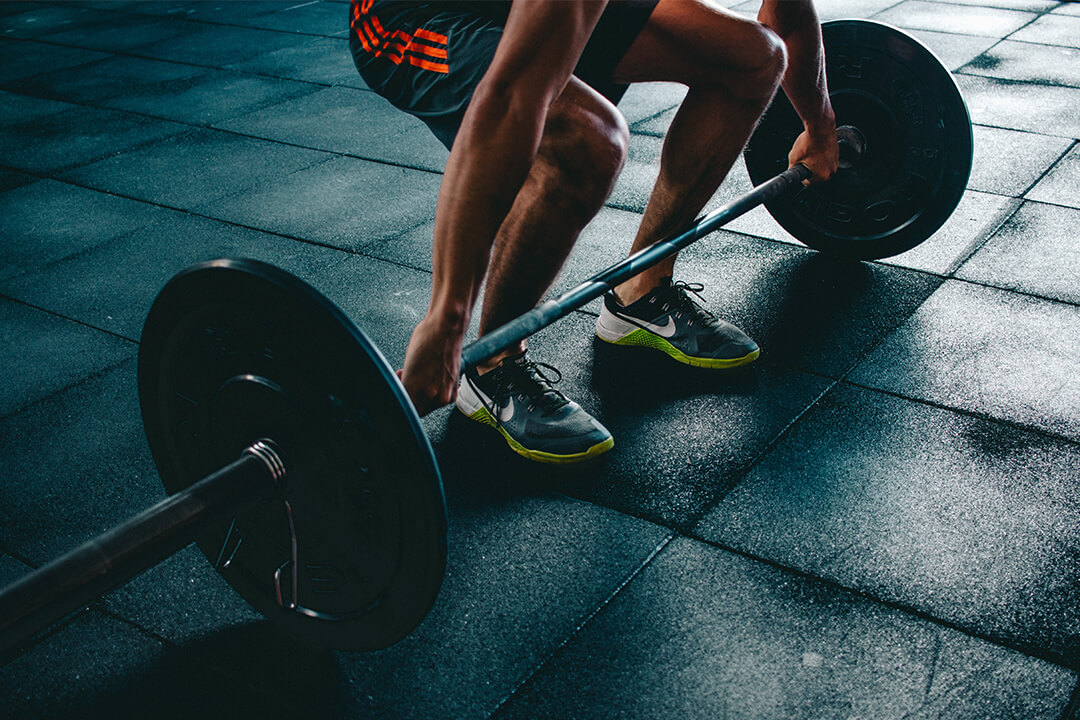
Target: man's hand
(432, 366)
(818, 151)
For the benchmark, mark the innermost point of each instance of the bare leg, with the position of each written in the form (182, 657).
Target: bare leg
(581, 153)
(732, 67)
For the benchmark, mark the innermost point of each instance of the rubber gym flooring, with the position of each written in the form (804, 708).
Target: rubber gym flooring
(879, 519)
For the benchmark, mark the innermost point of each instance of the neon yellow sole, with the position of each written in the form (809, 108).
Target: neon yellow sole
(644, 338)
(483, 416)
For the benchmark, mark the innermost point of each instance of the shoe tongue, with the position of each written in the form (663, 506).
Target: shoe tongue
(549, 398)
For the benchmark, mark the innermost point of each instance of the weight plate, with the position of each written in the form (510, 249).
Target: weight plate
(918, 146)
(351, 554)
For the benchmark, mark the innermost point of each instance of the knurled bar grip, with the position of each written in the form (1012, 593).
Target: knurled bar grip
(67, 583)
(549, 311)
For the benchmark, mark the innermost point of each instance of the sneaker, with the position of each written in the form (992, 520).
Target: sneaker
(535, 419)
(668, 319)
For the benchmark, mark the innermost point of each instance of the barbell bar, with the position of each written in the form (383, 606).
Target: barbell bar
(289, 447)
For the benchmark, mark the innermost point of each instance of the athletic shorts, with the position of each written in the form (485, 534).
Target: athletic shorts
(428, 57)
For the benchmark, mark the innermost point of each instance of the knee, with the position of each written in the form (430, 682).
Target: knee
(765, 63)
(587, 151)
(772, 58)
(747, 63)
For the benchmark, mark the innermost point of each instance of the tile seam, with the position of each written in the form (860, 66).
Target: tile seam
(975, 415)
(1059, 659)
(585, 621)
(96, 375)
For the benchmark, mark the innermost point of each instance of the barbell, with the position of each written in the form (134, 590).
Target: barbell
(290, 450)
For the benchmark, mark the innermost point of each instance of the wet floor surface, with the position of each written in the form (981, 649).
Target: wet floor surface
(878, 519)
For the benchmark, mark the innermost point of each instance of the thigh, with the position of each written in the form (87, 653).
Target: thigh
(690, 42)
(615, 32)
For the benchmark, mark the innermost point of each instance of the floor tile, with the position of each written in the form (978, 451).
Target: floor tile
(41, 19)
(525, 571)
(1009, 162)
(1067, 8)
(11, 569)
(225, 12)
(1038, 6)
(946, 17)
(656, 125)
(1051, 29)
(15, 7)
(1010, 60)
(10, 179)
(832, 10)
(1034, 252)
(41, 354)
(320, 60)
(48, 220)
(644, 100)
(314, 18)
(412, 248)
(96, 436)
(987, 351)
(384, 300)
(962, 519)
(345, 120)
(195, 168)
(18, 109)
(183, 600)
(79, 136)
(604, 241)
(112, 286)
(842, 9)
(1042, 109)
(21, 59)
(109, 78)
(953, 50)
(976, 217)
(701, 633)
(635, 183)
(101, 667)
(121, 33)
(209, 98)
(680, 444)
(344, 203)
(219, 45)
(1061, 183)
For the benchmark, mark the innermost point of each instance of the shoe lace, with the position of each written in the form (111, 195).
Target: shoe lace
(528, 381)
(681, 292)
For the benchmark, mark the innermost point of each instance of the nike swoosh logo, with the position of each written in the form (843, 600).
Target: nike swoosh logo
(662, 330)
(506, 413)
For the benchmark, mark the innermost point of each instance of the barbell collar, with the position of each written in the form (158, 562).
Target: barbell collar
(549, 311)
(44, 596)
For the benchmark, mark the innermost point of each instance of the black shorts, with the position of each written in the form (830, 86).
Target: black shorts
(428, 57)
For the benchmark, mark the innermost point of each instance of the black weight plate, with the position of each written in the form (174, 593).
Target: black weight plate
(351, 554)
(918, 146)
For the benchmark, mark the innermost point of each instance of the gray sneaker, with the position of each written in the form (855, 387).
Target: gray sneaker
(669, 320)
(535, 419)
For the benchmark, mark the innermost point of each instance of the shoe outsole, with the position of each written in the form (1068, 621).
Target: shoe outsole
(483, 416)
(644, 338)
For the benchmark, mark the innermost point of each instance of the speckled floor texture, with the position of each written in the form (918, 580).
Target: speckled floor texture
(880, 519)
